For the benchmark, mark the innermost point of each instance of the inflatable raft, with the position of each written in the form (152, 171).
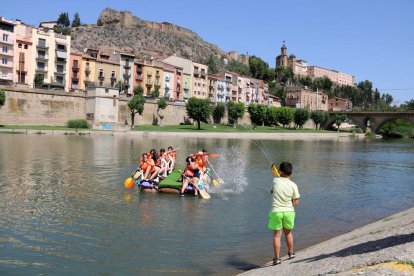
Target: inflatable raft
(169, 184)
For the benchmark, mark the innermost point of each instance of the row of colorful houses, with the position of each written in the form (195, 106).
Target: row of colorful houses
(28, 52)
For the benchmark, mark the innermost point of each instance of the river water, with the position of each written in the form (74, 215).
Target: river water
(64, 208)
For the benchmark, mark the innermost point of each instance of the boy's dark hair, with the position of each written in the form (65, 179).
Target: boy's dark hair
(286, 168)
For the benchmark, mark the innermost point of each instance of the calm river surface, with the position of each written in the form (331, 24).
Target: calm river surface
(64, 208)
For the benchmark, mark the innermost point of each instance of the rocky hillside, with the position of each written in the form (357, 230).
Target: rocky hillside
(124, 32)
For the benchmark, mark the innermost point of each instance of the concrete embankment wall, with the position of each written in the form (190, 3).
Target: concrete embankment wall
(26, 106)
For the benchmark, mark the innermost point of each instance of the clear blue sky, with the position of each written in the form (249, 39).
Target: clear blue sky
(370, 39)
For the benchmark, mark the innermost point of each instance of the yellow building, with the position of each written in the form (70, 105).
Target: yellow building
(199, 85)
(100, 69)
(153, 73)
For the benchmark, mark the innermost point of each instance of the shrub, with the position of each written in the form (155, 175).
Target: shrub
(2, 97)
(78, 124)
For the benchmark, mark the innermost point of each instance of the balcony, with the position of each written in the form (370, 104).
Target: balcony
(42, 57)
(203, 74)
(8, 41)
(138, 77)
(149, 74)
(7, 77)
(60, 60)
(60, 72)
(101, 76)
(75, 68)
(157, 83)
(90, 84)
(74, 87)
(113, 77)
(148, 83)
(87, 70)
(196, 73)
(41, 69)
(127, 76)
(139, 70)
(7, 65)
(75, 77)
(127, 65)
(157, 74)
(9, 53)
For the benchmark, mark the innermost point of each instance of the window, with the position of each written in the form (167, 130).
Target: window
(41, 54)
(5, 37)
(4, 49)
(19, 45)
(75, 64)
(61, 47)
(4, 60)
(25, 46)
(59, 79)
(59, 68)
(42, 42)
(41, 65)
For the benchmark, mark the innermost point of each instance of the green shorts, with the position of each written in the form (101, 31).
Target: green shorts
(279, 220)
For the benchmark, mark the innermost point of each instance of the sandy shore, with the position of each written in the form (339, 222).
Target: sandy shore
(385, 247)
(228, 135)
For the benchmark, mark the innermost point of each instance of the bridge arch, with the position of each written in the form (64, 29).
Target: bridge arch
(372, 119)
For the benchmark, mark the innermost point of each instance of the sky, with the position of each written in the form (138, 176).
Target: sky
(370, 39)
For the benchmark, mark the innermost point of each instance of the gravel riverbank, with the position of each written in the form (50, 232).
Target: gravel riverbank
(385, 247)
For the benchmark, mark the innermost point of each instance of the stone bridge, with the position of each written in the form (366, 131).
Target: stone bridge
(372, 119)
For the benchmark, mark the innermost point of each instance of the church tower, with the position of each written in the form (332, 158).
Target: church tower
(282, 59)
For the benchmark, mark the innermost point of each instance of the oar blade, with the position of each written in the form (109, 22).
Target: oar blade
(204, 194)
(215, 182)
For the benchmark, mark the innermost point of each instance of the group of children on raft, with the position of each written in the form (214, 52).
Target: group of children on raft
(156, 166)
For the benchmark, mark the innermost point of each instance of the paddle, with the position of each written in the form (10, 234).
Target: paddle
(274, 170)
(215, 181)
(221, 181)
(202, 192)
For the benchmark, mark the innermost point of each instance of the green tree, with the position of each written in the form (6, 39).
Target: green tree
(257, 114)
(76, 22)
(322, 84)
(271, 116)
(301, 116)
(2, 97)
(319, 118)
(235, 111)
(136, 105)
(239, 68)
(284, 75)
(214, 64)
(408, 105)
(156, 92)
(63, 20)
(138, 90)
(38, 80)
(306, 81)
(285, 115)
(199, 110)
(161, 105)
(219, 112)
(339, 119)
(397, 128)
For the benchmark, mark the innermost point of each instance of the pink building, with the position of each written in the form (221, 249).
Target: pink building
(24, 70)
(7, 39)
(303, 98)
(75, 76)
(335, 76)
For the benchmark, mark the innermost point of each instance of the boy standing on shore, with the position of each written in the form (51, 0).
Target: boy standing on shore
(285, 196)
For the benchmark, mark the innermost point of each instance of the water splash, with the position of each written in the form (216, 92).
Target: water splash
(231, 167)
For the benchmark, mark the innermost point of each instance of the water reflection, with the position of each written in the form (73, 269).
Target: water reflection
(64, 209)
